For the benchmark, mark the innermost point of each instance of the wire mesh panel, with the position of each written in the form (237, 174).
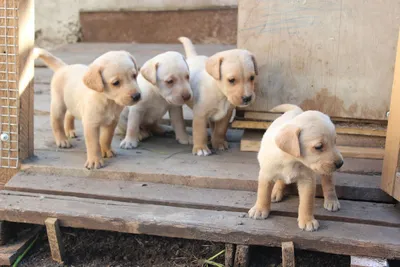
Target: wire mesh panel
(9, 93)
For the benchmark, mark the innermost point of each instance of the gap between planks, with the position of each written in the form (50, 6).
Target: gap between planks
(217, 226)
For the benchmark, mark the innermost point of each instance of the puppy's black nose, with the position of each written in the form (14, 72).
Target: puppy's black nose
(186, 97)
(339, 164)
(246, 99)
(136, 97)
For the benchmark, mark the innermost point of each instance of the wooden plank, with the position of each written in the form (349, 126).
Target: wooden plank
(10, 252)
(217, 226)
(55, 240)
(241, 256)
(367, 262)
(177, 196)
(307, 56)
(392, 158)
(251, 143)
(263, 125)
(225, 171)
(230, 251)
(288, 259)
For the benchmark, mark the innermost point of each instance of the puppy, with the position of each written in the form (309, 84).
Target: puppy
(297, 146)
(95, 94)
(164, 83)
(219, 83)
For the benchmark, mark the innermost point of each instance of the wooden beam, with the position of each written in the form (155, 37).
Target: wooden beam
(241, 256)
(55, 240)
(10, 252)
(288, 259)
(391, 162)
(230, 251)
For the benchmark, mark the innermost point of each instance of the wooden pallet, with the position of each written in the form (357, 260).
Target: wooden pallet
(176, 194)
(251, 141)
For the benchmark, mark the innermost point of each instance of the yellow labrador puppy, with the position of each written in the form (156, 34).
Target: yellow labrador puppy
(297, 146)
(164, 83)
(219, 83)
(95, 94)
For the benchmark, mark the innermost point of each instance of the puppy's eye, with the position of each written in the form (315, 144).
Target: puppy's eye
(187, 77)
(252, 78)
(134, 76)
(231, 81)
(116, 83)
(170, 82)
(319, 147)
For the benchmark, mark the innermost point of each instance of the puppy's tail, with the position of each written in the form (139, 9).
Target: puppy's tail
(286, 107)
(51, 61)
(188, 46)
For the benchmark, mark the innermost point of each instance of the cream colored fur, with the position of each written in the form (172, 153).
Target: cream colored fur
(164, 82)
(219, 83)
(95, 94)
(296, 147)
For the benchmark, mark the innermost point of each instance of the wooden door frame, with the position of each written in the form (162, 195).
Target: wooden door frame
(390, 173)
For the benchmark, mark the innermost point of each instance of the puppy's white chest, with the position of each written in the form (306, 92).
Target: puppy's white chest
(219, 111)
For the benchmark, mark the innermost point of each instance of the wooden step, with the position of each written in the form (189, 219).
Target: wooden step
(251, 141)
(229, 170)
(191, 197)
(218, 226)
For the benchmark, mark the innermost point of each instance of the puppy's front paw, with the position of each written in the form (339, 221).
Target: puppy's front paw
(94, 163)
(108, 153)
(309, 225)
(332, 204)
(258, 213)
(202, 150)
(185, 140)
(71, 134)
(277, 195)
(64, 143)
(129, 143)
(219, 145)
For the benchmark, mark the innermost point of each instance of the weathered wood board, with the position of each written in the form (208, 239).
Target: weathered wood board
(336, 56)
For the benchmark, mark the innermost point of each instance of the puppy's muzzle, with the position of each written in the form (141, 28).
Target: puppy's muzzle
(339, 164)
(246, 99)
(136, 97)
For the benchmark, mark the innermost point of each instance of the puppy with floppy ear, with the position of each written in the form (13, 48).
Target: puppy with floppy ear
(296, 147)
(95, 94)
(164, 82)
(219, 83)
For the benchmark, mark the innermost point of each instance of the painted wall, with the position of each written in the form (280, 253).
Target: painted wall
(57, 21)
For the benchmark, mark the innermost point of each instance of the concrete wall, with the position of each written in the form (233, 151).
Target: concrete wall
(57, 21)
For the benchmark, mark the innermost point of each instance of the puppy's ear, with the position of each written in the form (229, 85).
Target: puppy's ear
(253, 58)
(134, 61)
(93, 79)
(288, 140)
(213, 66)
(149, 72)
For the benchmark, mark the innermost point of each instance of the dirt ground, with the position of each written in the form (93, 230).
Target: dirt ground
(100, 248)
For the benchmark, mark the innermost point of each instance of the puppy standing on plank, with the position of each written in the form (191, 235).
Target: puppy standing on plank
(164, 82)
(95, 94)
(219, 83)
(297, 146)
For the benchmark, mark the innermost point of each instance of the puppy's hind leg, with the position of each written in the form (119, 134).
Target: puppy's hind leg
(57, 114)
(331, 201)
(69, 125)
(306, 218)
(263, 204)
(278, 190)
(218, 137)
